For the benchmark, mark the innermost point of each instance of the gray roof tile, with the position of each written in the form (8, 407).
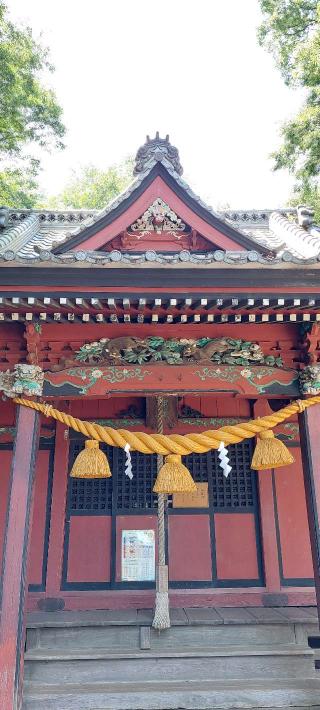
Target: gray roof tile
(30, 232)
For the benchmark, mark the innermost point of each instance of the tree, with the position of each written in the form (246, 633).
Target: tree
(29, 112)
(92, 188)
(19, 188)
(291, 32)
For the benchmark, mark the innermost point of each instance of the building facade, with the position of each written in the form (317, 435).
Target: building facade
(103, 313)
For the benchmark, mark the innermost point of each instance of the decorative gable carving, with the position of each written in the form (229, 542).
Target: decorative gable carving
(159, 229)
(158, 218)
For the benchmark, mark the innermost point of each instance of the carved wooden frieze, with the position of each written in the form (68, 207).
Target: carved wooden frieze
(173, 351)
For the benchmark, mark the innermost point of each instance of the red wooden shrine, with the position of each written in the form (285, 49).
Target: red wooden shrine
(157, 271)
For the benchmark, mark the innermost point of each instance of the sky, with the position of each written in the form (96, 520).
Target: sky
(189, 68)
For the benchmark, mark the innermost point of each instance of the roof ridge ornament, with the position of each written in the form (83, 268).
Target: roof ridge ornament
(156, 149)
(305, 216)
(4, 217)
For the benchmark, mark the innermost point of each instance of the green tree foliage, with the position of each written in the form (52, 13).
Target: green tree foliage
(19, 188)
(291, 32)
(29, 112)
(92, 188)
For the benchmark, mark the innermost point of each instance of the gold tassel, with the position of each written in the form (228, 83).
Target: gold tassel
(270, 452)
(174, 477)
(91, 462)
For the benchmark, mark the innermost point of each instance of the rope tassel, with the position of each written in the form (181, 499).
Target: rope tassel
(174, 477)
(270, 452)
(91, 462)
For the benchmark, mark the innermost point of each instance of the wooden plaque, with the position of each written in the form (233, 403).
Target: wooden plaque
(198, 499)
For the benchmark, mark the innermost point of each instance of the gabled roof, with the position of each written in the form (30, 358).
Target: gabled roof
(33, 234)
(153, 169)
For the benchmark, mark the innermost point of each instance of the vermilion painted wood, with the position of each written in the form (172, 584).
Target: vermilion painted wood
(211, 406)
(144, 598)
(268, 532)
(15, 554)
(267, 517)
(39, 510)
(236, 546)
(150, 378)
(64, 340)
(158, 188)
(132, 522)
(87, 332)
(58, 508)
(43, 288)
(38, 529)
(109, 408)
(292, 519)
(89, 550)
(309, 422)
(5, 466)
(189, 548)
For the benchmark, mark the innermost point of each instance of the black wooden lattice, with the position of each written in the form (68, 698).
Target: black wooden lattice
(136, 493)
(236, 491)
(95, 496)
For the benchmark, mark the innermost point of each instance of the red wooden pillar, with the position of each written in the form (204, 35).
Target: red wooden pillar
(58, 507)
(267, 518)
(309, 423)
(268, 532)
(15, 557)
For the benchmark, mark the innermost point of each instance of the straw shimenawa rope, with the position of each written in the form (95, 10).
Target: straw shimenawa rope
(172, 443)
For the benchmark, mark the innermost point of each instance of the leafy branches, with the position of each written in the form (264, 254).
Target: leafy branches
(92, 188)
(29, 112)
(291, 32)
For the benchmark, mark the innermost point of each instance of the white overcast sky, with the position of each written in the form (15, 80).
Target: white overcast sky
(193, 69)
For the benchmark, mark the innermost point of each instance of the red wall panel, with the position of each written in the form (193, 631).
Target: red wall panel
(89, 548)
(132, 522)
(292, 520)
(37, 541)
(189, 548)
(5, 466)
(236, 549)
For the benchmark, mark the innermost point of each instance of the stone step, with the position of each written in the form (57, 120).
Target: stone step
(135, 637)
(317, 658)
(188, 616)
(225, 662)
(166, 695)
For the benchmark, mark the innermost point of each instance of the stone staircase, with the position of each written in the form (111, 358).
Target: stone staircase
(209, 659)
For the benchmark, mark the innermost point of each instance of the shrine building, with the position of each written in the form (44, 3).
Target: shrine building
(159, 316)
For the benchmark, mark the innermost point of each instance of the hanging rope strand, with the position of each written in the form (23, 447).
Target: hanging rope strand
(161, 496)
(161, 619)
(162, 444)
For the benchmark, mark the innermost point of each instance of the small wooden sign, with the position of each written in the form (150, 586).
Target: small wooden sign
(198, 499)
